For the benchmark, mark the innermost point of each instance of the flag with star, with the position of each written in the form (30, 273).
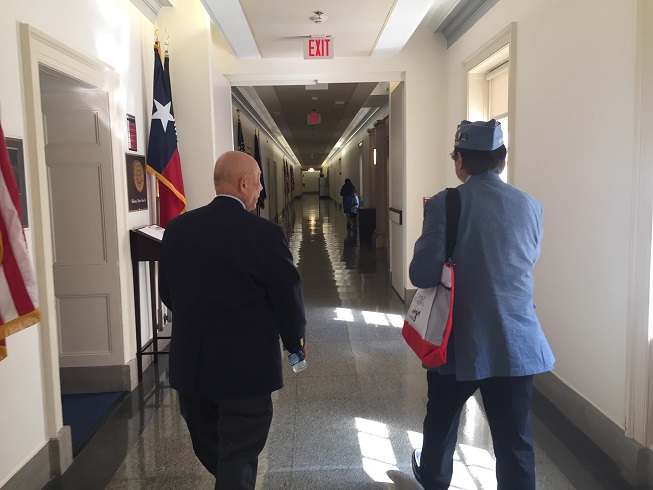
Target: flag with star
(241, 140)
(257, 156)
(286, 177)
(18, 299)
(162, 151)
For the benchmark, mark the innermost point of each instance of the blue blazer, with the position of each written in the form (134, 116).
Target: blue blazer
(495, 330)
(231, 283)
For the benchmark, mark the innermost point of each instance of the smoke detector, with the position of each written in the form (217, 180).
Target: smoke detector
(318, 17)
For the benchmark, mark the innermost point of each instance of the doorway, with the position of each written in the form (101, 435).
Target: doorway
(77, 185)
(78, 157)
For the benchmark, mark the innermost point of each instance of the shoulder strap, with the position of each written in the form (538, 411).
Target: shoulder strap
(453, 216)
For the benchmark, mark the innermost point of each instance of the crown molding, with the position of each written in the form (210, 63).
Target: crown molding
(151, 8)
(462, 17)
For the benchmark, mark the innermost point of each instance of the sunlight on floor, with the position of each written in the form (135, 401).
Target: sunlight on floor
(474, 468)
(375, 318)
(415, 439)
(376, 449)
(372, 427)
(344, 315)
(395, 320)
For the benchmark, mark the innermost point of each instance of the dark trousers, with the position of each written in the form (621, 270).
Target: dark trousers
(507, 406)
(228, 436)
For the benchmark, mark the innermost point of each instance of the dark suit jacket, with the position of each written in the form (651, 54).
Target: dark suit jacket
(230, 281)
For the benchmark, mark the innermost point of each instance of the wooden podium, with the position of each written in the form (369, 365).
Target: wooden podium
(145, 245)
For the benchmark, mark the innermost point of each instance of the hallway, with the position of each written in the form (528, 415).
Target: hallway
(351, 419)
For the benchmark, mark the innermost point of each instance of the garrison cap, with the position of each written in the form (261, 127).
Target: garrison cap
(479, 135)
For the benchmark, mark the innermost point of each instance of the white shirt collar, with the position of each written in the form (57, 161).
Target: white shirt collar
(233, 197)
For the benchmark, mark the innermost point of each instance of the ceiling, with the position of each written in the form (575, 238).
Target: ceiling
(337, 105)
(359, 28)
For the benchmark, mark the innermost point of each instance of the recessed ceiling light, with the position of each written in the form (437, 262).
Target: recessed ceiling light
(314, 98)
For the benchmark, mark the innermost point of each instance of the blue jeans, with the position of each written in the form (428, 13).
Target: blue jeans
(507, 406)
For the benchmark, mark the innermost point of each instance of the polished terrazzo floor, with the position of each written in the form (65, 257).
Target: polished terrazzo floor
(352, 418)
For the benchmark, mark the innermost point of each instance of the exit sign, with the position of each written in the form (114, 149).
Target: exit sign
(314, 118)
(318, 48)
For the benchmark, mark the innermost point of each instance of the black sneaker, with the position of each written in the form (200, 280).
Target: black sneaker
(415, 464)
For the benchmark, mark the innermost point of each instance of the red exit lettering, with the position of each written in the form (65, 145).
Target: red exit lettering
(314, 118)
(319, 48)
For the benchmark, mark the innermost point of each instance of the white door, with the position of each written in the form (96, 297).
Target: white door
(82, 204)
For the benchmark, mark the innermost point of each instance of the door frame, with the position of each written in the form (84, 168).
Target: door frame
(39, 49)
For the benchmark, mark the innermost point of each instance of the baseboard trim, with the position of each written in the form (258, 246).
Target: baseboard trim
(34, 474)
(409, 294)
(634, 461)
(95, 379)
(61, 451)
(51, 460)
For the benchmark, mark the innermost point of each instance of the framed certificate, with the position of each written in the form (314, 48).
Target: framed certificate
(17, 161)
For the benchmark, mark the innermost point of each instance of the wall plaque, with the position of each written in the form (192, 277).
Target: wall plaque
(136, 182)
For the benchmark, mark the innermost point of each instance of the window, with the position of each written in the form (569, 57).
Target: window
(490, 87)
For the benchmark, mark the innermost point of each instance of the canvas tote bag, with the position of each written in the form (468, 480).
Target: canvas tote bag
(428, 321)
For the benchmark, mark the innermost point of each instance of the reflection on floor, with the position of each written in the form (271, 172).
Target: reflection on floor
(351, 419)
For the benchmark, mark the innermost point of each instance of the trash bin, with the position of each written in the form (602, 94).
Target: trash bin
(366, 224)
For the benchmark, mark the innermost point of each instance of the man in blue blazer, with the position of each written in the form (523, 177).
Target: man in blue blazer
(230, 281)
(496, 342)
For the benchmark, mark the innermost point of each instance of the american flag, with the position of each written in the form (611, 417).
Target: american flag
(18, 296)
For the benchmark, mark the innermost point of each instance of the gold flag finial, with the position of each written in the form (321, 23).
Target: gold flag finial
(157, 45)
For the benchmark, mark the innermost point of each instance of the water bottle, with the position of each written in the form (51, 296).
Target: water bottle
(297, 361)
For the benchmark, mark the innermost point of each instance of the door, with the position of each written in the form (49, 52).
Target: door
(82, 205)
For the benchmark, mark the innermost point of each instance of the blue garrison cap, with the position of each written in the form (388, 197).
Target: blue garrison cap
(479, 135)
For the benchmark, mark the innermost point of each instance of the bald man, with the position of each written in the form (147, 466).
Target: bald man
(231, 283)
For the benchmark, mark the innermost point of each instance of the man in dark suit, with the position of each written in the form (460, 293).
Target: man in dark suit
(230, 281)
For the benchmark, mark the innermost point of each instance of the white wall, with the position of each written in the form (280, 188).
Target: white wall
(111, 32)
(192, 80)
(22, 420)
(222, 127)
(572, 149)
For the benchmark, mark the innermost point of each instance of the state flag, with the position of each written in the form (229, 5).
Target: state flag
(162, 150)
